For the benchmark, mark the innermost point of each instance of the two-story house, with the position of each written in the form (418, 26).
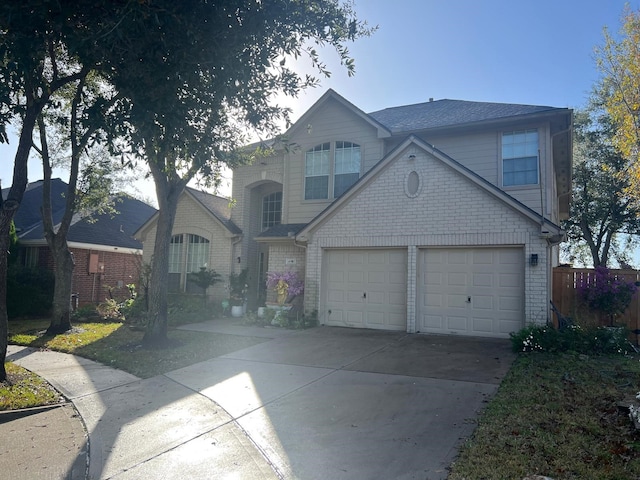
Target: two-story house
(437, 217)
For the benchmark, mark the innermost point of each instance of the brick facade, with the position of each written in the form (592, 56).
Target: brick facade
(449, 211)
(120, 269)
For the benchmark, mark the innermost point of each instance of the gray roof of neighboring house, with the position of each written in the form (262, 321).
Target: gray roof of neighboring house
(28, 216)
(283, 230)
(445, 113)
(218, 207)
(110, 229)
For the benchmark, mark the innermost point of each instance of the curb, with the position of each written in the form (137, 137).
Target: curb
(9, 415)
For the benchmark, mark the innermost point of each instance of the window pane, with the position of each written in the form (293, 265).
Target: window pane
(343, 182)
(271, 210)
(197, 253)
(316, 171)
(316, 187)
(175, 254)
(347, 167)
(520, 158)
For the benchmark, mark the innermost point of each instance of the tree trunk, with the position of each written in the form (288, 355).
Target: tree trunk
(7, 211)
(168, 192)
(63, 269)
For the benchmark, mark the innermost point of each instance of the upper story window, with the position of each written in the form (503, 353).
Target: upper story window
(324, 178)
(271, 210)
(316, 172)
(520, 158)
(347, 167)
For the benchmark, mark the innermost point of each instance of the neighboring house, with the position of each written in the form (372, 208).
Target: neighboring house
(104, 251)
(437, 217)
(203, 237)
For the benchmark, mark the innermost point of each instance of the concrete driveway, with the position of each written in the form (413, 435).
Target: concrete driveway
(352, 404)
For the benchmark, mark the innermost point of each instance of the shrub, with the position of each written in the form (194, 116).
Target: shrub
(29, 291)
(591, 340)
(606, 293)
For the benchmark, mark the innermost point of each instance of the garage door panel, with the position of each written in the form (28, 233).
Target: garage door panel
(354, 297)
(381, 274)
(492, 278)
(509, 304)
(483, 302)
(484, 325)
(354, 318)
(457, 301)
(457, 323)
(483, 257)
(336, 296)
(483, 280)
(398, 299)
(375, 298)
(458, 279)
(336, 277)
(508, 279)
(433, 300)
(433, 321)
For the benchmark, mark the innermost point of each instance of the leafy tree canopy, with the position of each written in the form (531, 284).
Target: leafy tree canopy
(619, 62)
(604, 219)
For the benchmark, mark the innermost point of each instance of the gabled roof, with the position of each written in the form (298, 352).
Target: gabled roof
(107, 229)
(379, 167)
(216, 206)
(448, 113)
(331, 94)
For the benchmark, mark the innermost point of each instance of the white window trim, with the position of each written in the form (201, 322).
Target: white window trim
(523, 186)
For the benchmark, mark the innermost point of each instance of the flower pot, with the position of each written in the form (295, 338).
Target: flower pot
(236, 311)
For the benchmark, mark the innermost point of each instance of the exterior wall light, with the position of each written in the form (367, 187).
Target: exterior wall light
(533, 260)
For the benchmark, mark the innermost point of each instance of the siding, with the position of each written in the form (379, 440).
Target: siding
(191, 217)
(332, 122)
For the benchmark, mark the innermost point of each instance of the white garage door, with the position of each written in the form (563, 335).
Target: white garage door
(470, 291)
(366, 288)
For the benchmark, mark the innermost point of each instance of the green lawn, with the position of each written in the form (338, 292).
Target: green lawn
(119, 346)
(558, 415)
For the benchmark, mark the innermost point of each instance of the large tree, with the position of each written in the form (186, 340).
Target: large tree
(75, 122)
(34, 65)
(619, 62)
(604, 219)
(198, 76)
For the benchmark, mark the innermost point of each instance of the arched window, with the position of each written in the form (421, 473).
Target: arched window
(324, 178)
(187, 254)
(271, 210)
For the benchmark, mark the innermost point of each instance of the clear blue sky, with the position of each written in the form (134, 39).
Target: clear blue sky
(532, 52)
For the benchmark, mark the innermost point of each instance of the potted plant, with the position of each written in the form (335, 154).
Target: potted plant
(238, 292)
(286, 286)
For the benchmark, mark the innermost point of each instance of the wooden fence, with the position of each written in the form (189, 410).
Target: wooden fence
(565, 297)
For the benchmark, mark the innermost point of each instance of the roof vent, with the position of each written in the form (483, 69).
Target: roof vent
(431, 99)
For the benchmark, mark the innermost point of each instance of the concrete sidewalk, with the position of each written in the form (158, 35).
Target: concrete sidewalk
(321, 403)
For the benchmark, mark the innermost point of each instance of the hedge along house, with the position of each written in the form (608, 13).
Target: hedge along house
(107, 257)
(203, 237)
(436, 217)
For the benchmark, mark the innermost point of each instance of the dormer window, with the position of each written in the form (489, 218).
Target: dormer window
(325, 179)
(520, 158)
